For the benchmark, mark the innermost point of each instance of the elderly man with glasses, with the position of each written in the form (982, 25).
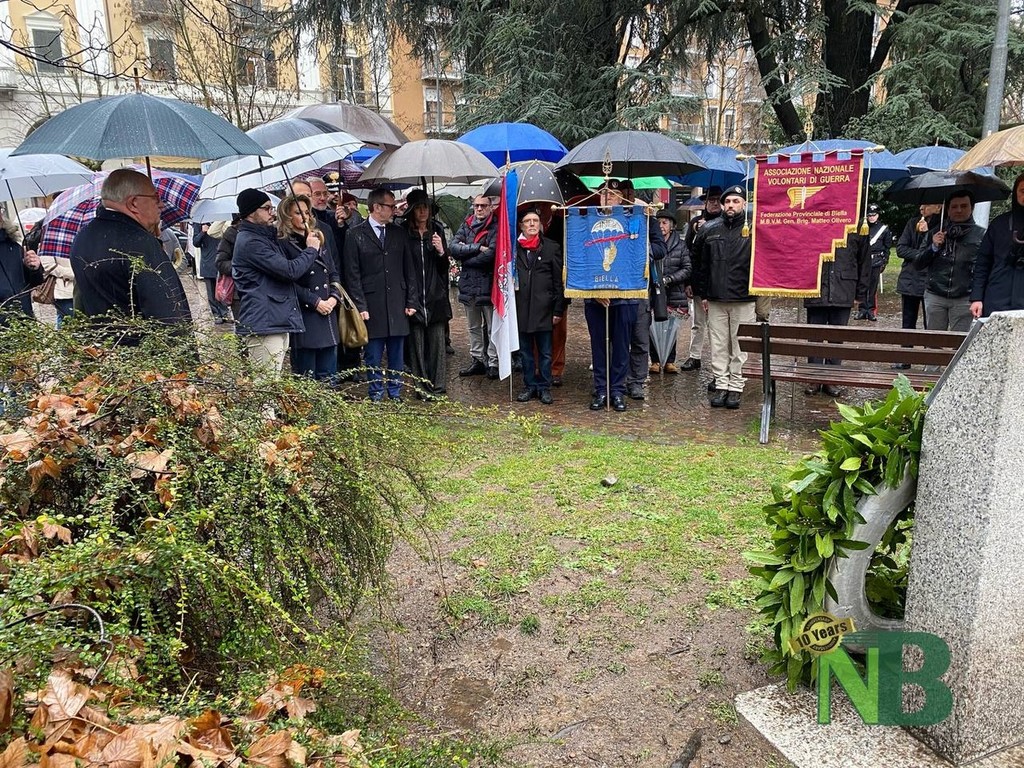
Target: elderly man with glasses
(473, 247)
(119, 263)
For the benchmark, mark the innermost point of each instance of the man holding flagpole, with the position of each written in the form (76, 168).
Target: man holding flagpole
(504, 329)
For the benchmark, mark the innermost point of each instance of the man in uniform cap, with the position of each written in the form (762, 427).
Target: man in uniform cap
(880, 241)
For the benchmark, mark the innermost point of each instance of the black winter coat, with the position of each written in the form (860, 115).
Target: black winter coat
(723, 256)
(845, 280)
(380, 279)
(540, 296)
(16, 280)
(880, 239)
(998, 283)
(314, 286)
(207, 252)
(225, 249)
(106, 281)
(913, 280)
(477, 273)
(431, 270)
(676, 268)
(951, 268)
(265, 282)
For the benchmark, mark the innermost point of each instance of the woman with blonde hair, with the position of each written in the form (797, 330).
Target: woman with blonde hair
(314, 352)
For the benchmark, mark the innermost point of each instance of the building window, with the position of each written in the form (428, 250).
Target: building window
(729, 127)
(161, 59)
(270, 69)
(44, 34)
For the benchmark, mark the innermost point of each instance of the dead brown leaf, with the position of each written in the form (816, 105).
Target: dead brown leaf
(124, 750)
(166, 730)
(298, 707)
(63, 697)
(16, 754)
(149, 462)
(18, 444)
(296, 753)
(54, 531)
(6, 699)
(270, 751)
(261, 710)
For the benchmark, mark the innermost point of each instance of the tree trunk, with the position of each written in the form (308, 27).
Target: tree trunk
(847, 56)
(778, 95)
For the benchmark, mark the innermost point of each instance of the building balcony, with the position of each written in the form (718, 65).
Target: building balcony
(431, 129)
(152, 10)
(452, 72)
(9, 79)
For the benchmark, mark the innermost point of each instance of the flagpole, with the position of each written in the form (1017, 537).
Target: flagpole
(607, 357)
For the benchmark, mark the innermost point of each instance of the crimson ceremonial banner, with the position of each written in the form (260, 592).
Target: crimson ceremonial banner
(805, 206)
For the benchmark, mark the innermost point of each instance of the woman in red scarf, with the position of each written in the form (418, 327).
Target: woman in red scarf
(540, 304)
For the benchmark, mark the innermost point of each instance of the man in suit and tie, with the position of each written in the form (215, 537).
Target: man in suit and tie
(380, 278)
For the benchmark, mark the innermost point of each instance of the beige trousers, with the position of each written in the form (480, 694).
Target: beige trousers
(724, 318)
(268, 351)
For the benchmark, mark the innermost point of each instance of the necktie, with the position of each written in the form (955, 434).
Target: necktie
(380, 234)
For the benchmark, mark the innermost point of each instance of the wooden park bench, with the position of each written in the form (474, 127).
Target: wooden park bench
(779, 352)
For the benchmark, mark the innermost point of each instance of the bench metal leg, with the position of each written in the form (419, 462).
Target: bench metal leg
(767, 409)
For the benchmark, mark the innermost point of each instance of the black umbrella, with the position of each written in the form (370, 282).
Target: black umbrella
(365, 124)
(540, 183)
(631, 155)
(137, 125)
(936, 187)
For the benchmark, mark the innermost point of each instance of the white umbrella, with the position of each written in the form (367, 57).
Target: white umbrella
(285, 163)
(435, 159)
(37, 176)
(211, 209)
(31, 216)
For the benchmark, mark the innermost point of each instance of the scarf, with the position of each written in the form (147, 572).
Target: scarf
(530, 245)
(478, 227)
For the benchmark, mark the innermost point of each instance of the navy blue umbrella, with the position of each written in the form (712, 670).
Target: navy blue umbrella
(883, 165)
(514, 142)
(137, 125)
(723, 169)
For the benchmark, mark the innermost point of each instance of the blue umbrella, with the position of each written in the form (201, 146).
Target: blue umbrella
(883, 165)
(723, 169)
(364, 155)
(137, 125)
(514, 142)
(923, 159)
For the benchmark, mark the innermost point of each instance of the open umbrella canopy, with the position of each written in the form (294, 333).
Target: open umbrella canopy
(435, 160)
(24, 176)
(220, 208)
(503, 143)
(136, 125)
(936, 186)
(275, 133)
(632, 154)
(365, 124)
(1000, 148)
(286, 162)
(721, 167)
(883, 165)
(29, 217)
(923, 159)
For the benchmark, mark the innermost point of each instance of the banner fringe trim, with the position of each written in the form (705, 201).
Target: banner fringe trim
(577, 293)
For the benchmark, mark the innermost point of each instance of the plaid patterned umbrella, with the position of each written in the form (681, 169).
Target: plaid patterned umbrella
(76, 207)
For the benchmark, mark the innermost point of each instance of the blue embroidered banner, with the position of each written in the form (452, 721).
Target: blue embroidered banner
(606, 252)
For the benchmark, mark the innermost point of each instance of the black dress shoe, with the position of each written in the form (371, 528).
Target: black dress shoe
(732, 400)
(525, 396)
(598, 402)
(636, 391)
(718, 399)
(711, 386)
(545, 398)
(813, 389)
(872, 317)
(618, 403)
(690, 364)
(899, 366)
(556, 381)
(492, 372)
(476, 368)
(832, 390)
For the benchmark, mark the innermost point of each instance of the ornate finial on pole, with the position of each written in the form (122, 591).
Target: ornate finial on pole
(606, 166)
(809, 127)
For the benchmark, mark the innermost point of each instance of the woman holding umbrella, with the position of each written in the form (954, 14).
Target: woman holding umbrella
(540, 303)
(425, 347)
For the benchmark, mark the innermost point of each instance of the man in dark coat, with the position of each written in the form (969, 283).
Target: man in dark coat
(265, 281)
(380, 279)
(120, 266)
(843, 281)
(915, 238)
(473, 247)
(698, 330)
(540, 304)
(207, 245)
(722, 255)
(20, 271)
(880, 240)
(999, 271)
(949, 262)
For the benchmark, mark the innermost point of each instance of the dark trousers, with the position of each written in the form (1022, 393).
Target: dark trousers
(874, 281)
(828, 316)
(64, 308)
(621, 319)
(427, 359)
(218, 310)
(320, 364)
(536, 370)
(374, 353)
(912, 306)
(640, 345)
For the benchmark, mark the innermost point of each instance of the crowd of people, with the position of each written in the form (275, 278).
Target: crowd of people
(293, 266)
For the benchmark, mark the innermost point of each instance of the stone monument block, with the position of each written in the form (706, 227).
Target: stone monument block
(967, 561)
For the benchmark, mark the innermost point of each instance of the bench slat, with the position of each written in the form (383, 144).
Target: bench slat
(871, 354)
(858, 334)
(807, 373)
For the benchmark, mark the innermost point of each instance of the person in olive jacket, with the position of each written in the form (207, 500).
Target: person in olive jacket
(268, 304)
(999, 270)
(676, 275)
(540, 304)
(314, 352)
(381, 281)
(425, 347)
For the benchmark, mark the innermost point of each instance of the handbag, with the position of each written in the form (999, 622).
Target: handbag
(351, 325)
(43, 293)
(225, 289)
(659, 297)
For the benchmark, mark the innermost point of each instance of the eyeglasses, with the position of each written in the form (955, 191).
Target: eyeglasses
(268, 207)
(154, 196)
(481, 205)
(387, 205)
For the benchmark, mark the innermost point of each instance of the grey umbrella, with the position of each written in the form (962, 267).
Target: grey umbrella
(275, 133)
(663, 334)
(365, 124)
(632, 154)
(136, 125)
(436, 160)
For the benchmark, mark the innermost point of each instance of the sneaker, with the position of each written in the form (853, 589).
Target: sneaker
(690, 364)
(671, 368)
(732, 400)
(655, 368)
(718, 399)
(476, 368)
